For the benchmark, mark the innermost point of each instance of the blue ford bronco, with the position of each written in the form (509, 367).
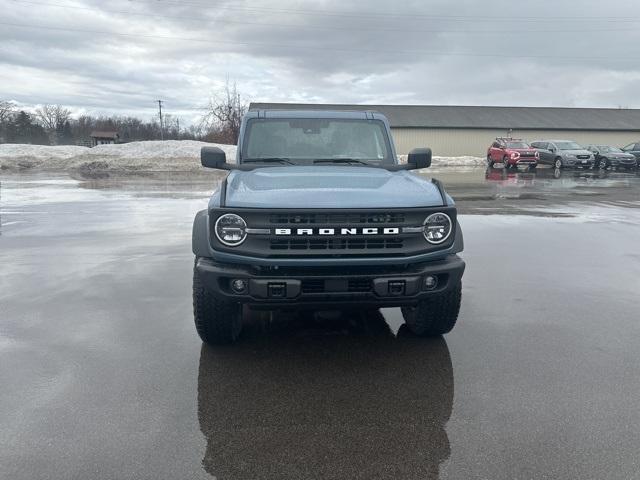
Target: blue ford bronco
(317, 213)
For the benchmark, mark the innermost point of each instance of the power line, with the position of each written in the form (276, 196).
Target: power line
(329, 27)
(323, 49)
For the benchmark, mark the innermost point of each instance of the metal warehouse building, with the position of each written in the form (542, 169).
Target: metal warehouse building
(454, 131)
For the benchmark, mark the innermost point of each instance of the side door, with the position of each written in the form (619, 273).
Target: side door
(596, 153)
(550, 153)
(541, 147)
(495, 152)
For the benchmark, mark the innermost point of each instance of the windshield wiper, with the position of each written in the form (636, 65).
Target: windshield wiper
(341, 160)
(268, 160)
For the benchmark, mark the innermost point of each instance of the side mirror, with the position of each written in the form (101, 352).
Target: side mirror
(214, 157)
(419, 158)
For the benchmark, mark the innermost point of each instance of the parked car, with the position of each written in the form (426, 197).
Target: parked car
(633, 149)
(563, 153)
(512, 152)
(608, 156)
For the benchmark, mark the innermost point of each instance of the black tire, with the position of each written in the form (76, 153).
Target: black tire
(505, 162)
(603, 163)
(436, 315)
(218, 322)
(557, 163)
(489, 161)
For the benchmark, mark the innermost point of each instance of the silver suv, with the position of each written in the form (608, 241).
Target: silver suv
(563, 153)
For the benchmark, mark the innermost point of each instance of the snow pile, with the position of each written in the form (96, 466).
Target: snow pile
(28, 156)
(464, 161)
(168, 149)
(169, 155)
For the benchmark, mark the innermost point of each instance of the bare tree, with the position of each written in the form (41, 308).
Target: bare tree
(7, 109)
(52, 117)
(224, 114)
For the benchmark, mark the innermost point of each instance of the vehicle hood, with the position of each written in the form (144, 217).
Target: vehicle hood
(619, 155)
(329, 187)
(575, 152)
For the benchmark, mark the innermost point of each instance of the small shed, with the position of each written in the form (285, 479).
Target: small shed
(104, 138)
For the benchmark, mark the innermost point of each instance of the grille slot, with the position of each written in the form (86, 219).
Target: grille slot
(312, 286)
(354, 285)
(337, 244)
(336, 218)
(360, 285)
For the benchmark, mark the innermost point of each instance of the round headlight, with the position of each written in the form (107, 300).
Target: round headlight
(231, 229)
(437, 228)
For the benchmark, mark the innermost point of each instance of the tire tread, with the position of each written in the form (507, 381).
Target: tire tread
(434, 316)
(216, 320)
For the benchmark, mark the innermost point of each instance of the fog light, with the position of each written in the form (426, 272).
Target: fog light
(239, 286)
(430, 282)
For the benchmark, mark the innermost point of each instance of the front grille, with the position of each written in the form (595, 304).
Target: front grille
(337, 244)
(353, 285)
(336, 219)
(584, 157)
(527, 154)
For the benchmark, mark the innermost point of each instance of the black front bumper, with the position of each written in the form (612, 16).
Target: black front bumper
(330, 287)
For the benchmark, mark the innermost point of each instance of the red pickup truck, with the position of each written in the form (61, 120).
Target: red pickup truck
(512, 152)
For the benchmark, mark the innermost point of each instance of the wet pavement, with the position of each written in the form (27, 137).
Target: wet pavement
(102, 375)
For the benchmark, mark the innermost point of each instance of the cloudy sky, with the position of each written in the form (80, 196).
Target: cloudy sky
(122, 55)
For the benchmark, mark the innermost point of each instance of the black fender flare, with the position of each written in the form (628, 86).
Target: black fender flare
(458, 241)
(200, 235)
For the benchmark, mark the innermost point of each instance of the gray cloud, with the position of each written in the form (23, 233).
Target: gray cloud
(120, 56)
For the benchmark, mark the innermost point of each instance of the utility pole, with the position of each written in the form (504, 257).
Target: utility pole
(161, 128)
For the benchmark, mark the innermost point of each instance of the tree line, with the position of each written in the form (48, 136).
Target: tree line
(55, 124)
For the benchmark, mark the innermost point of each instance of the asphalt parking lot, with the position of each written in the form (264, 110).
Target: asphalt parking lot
(102, 375)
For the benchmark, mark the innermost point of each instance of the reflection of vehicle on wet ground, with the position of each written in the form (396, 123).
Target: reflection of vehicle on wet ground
(510, 176)
(607, 156)
(512, 152)
(344, 398)
(563, 153)
(527, 178)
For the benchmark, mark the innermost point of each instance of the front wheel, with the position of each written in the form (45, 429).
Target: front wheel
(217, 321)
(505, 161)
(603, 163)
(489, 161)
(557, 163)
(436, 315)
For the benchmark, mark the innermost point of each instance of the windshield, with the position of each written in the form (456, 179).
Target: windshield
(517, 145)
(568, 146)
(607, 149)
(305, 141)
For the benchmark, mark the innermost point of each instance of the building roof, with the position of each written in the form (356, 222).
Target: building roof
(517, 118)
(312, 113)
(104, 134)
